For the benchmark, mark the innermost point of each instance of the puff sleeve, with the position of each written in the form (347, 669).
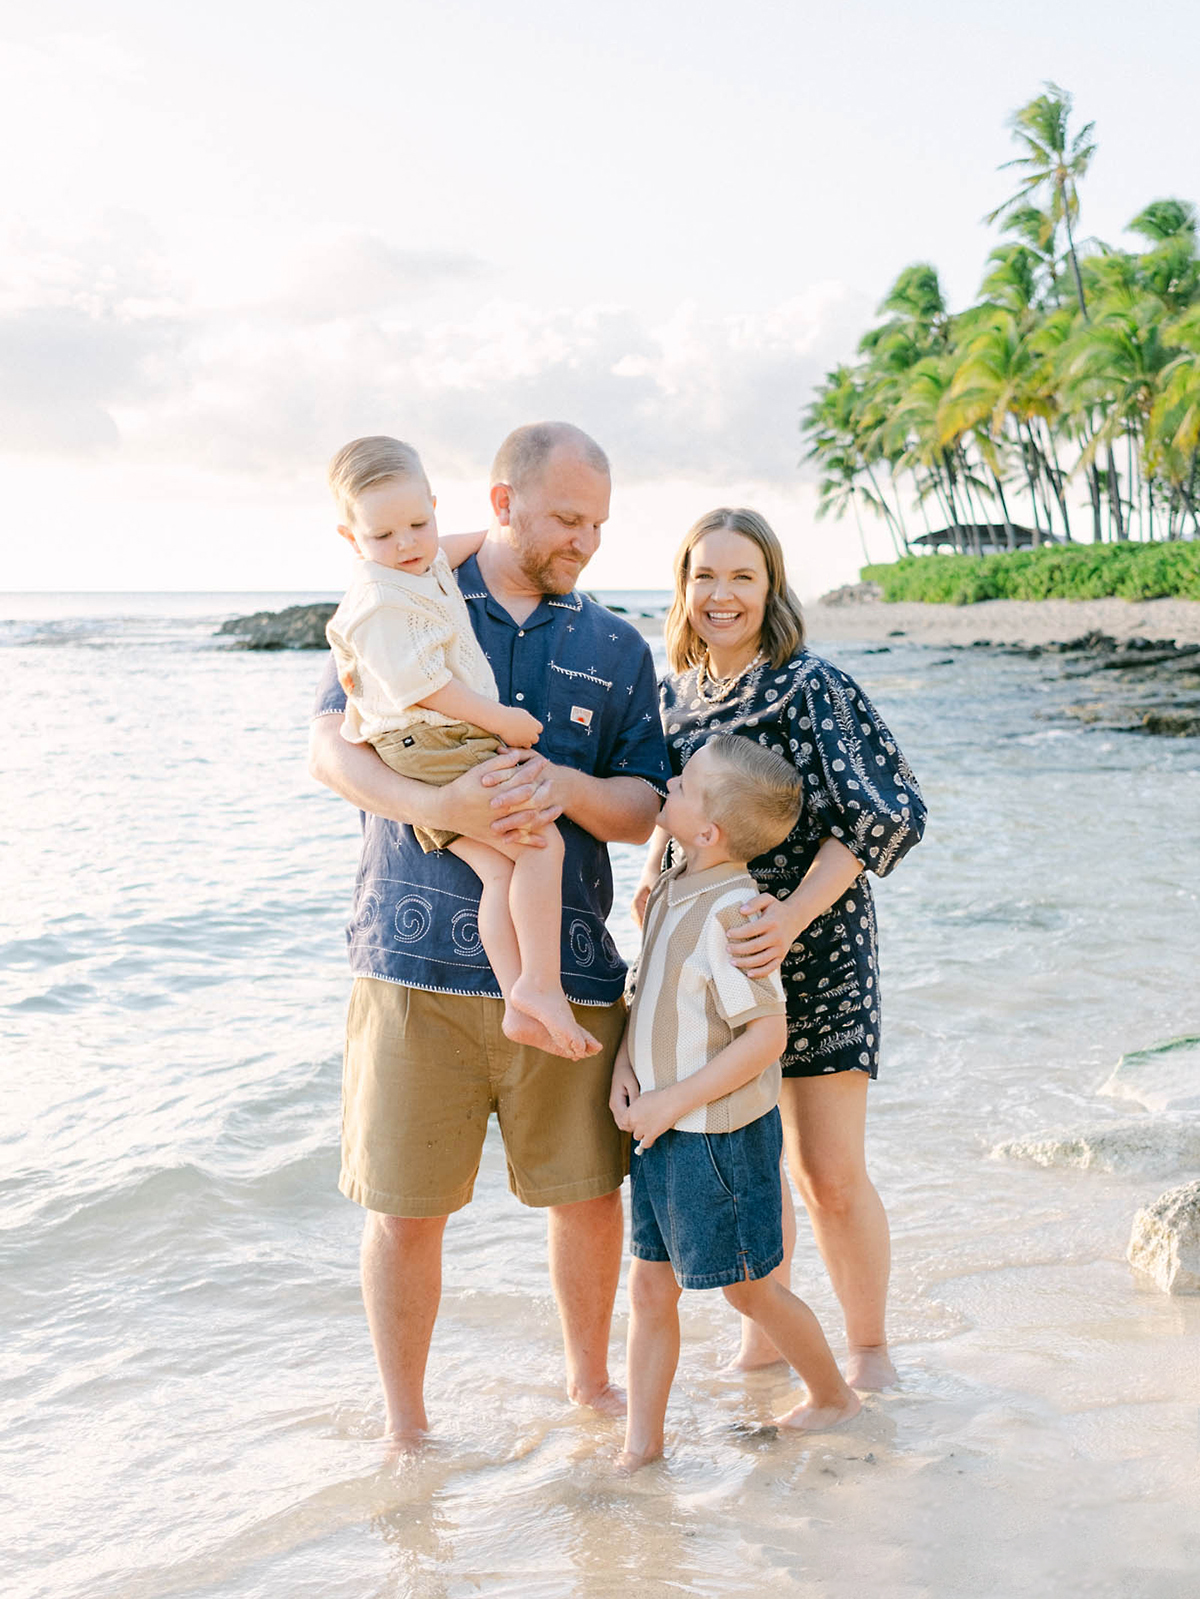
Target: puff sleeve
(396, 656)
(858, 786)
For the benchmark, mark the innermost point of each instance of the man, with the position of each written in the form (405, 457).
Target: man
(426, 1061)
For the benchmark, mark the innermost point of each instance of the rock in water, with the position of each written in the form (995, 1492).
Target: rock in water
(1165, 1077)
(1165, 1242)
(298, 627)
(1150, 1144)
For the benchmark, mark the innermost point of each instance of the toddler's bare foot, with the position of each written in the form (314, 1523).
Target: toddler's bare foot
(630, 1460)
(819, 1418)
(870, 1369)
(551, 1009)
(524, 1029)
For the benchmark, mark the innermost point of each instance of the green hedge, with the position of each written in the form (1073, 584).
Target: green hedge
(1054, 572)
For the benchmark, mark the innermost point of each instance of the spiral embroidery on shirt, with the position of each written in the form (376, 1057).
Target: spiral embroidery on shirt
(582, 945)
(464, 932)
(366, 911)
(414, 918)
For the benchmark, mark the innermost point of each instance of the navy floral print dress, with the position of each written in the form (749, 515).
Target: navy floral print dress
(858, 788)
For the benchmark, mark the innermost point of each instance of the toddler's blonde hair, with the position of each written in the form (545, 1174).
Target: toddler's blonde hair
(754, 795)
(362, 462)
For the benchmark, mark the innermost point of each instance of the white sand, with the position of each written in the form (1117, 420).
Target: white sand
(1008, 621)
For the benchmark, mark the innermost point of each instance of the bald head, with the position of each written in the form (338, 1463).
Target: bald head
(523, 457)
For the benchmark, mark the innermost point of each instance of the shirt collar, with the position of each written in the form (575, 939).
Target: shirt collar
(681, 888)
(470, 581)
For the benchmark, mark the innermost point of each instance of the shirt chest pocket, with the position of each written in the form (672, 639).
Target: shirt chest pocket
(575, 708)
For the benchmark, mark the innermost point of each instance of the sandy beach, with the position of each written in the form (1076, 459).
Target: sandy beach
(1007, 621)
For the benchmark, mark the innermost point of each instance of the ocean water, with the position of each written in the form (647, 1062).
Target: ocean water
(188, 1401)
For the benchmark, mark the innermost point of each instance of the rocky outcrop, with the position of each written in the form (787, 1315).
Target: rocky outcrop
(853, 594)
(1154, 686)
(1165, 1077)
(298, 627)
(1149, 1145)
(1165, 1243)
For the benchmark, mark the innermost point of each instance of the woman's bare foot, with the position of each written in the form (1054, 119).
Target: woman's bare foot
(820, 1418)
(629, 1461)
(757, 1352)
(870, 1369)
(553, 1012)
(606, 1401)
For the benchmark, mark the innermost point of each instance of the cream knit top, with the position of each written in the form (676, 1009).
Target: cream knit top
(398, 637)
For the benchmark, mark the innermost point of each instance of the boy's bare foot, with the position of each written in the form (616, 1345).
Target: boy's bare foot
(870, 1369)
(629, 1461)
(606, 1401)
(819, 1418)
(553, 1012)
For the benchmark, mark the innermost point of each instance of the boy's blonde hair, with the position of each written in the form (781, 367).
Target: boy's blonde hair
(754, 796)
(362, 462)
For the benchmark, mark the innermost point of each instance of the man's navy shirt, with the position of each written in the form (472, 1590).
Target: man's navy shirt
(588, 678)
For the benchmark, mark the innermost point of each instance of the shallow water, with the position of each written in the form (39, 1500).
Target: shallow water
(187, 1393)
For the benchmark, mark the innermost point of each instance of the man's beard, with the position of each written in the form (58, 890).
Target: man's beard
(550, 574)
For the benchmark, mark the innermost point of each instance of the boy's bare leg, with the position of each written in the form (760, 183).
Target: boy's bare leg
(585, 1240)
(653, 1355)
(756, 1349)
(524, 1022)
(401, 1287)
(796, 1333)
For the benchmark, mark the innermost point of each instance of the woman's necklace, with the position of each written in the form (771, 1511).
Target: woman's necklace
(721, 687)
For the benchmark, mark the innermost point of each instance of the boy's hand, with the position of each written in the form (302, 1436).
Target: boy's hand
(625, 1089)
(650, 1116)
(516, 727)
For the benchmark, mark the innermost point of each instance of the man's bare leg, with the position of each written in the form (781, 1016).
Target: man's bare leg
(585, 1242)
(824, 1132)
(653, 1355)
(757, 1350)
(401, 1287)
(520, 914)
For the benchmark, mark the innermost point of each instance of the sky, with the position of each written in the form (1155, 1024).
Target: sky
(234, 236)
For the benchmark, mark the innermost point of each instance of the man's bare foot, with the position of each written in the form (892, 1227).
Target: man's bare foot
(629, 1461)
(606, 1401)
(551, 1009)
(819, 1418)
(405, 1441)
(870, 1369)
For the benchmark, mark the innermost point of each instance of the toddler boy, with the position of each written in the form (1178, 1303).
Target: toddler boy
(420, 691)
(696, 1082)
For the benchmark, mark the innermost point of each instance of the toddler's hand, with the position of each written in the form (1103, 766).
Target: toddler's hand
(517, 728)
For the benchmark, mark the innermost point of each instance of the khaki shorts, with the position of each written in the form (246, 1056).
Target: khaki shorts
(422, 1074)
(435, 755)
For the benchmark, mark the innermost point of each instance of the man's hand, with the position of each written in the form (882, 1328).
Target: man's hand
(650, 1115)
(625, 1089)
(499, 797)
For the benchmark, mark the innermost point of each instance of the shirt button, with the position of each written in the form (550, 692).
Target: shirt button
(520, 632)
(518, 696)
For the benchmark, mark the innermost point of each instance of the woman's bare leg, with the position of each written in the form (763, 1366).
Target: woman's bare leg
(652, 1356)
(520, 921)
(824, 1134)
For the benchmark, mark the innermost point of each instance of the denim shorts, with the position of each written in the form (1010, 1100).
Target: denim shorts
(710, 1203)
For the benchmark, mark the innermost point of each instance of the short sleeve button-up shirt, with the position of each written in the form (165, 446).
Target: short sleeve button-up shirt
(588, 677)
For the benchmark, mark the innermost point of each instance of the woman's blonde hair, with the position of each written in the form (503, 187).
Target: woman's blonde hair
(782, 632)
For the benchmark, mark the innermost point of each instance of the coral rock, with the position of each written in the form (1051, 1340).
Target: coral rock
(1165, 1242)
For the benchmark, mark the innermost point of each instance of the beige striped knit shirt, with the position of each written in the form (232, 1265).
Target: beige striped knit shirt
(691, 1000)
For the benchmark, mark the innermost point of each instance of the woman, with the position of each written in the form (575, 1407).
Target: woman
(735, 645)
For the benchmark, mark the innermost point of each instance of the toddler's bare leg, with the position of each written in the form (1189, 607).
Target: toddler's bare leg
(546, 1025)
(796, 1333)
(535, 900)
(653, 1354)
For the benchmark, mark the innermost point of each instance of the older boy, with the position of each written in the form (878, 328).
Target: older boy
(696, 1082)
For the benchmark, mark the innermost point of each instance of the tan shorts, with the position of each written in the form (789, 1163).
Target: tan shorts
(435, 755)
(422, 1074)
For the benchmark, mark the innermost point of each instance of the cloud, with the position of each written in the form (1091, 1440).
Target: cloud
(367, 338)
